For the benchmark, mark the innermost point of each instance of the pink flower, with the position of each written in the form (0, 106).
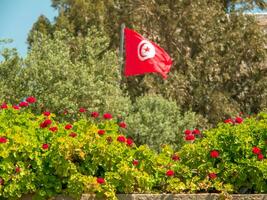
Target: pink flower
(189, 137)
(175, 157)
(187, 132)
(100, 180)
(107, 116)
(68, 127)
(238, 120)
(45, 146)
(15, 107)
(170, 173)
(256, 150)
(101, 132)
(46, 113)
(4, 106)
(212, 175)
(72, 134)
(196, 132)
(129, 142)
(135, 162)
(122, 125)
(121, 139)
(214, 154)
(31, 99)
(94, 114)
(3, 140)
(53, 129)
(23, 104)
(82, 110)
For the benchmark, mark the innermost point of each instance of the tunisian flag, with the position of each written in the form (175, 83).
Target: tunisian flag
(143, 56)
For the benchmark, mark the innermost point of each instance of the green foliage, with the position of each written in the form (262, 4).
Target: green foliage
(238, 169)
(156, 121)
(71, 165)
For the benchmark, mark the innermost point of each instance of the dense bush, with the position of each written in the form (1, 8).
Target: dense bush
(155, 121)
(232, 155)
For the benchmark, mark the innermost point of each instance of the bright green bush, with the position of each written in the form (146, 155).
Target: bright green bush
(38, 158)
(241, 165)
(154, 121)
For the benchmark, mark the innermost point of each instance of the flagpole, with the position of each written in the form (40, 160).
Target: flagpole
(121, 55)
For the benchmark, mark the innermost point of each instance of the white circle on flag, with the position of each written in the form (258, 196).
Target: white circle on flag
(145, 50)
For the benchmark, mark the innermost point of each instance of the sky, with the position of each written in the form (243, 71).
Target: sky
(17, 18)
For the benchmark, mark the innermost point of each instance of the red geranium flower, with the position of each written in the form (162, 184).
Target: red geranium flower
(53, 129)
(101, 132)
(196, 132)
(135, 162)
(45, 146)
(4, 106)
(260, 156)
(129, 142)
(214, 154)
(100, 180)
(170, 173)
(122, 125)
(175, 157)
(31, 99)
(68, 126)
(229, 121)
(187, 132)
(121, 138)
(189, 137)
(23, 104)
(72, 134)
(46, 113)
(17, 170)
(94, 114)
(82, 110)
(107, 116)
(3, 140)
(238, 120)
(212, 175)
(15, 107)
(45, 123)
(256, 150)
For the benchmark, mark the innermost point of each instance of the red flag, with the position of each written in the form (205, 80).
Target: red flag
(144, 56)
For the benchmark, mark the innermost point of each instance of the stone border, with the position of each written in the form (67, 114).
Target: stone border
(204, 196)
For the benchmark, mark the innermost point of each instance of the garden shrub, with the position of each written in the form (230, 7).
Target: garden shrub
(231, 157)
(154, 121)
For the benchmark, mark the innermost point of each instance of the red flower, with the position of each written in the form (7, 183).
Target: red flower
(196, 132)
(15, 107)
(107, 116)
(238, 120)
(45, 146)
(129, 142)
(31, 99)
(101, 180)
(189, 137)
(4, 106)
(72, 134)
(256, 150)
(3, 140)
(53, 129)
(121, 138)
(101, 132)
(17, 170)
(260, 156)
(170, 173)
(135, 162)
(46, 113)
(66, 112)
(229, 121)
(214, 154)
(122, 125)
(23, 104)
(2, 182)
(45, 123)
(175, 157)
(82, 110)
(68, 127)
(187, 132)
(94, 114)
(212, 175)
